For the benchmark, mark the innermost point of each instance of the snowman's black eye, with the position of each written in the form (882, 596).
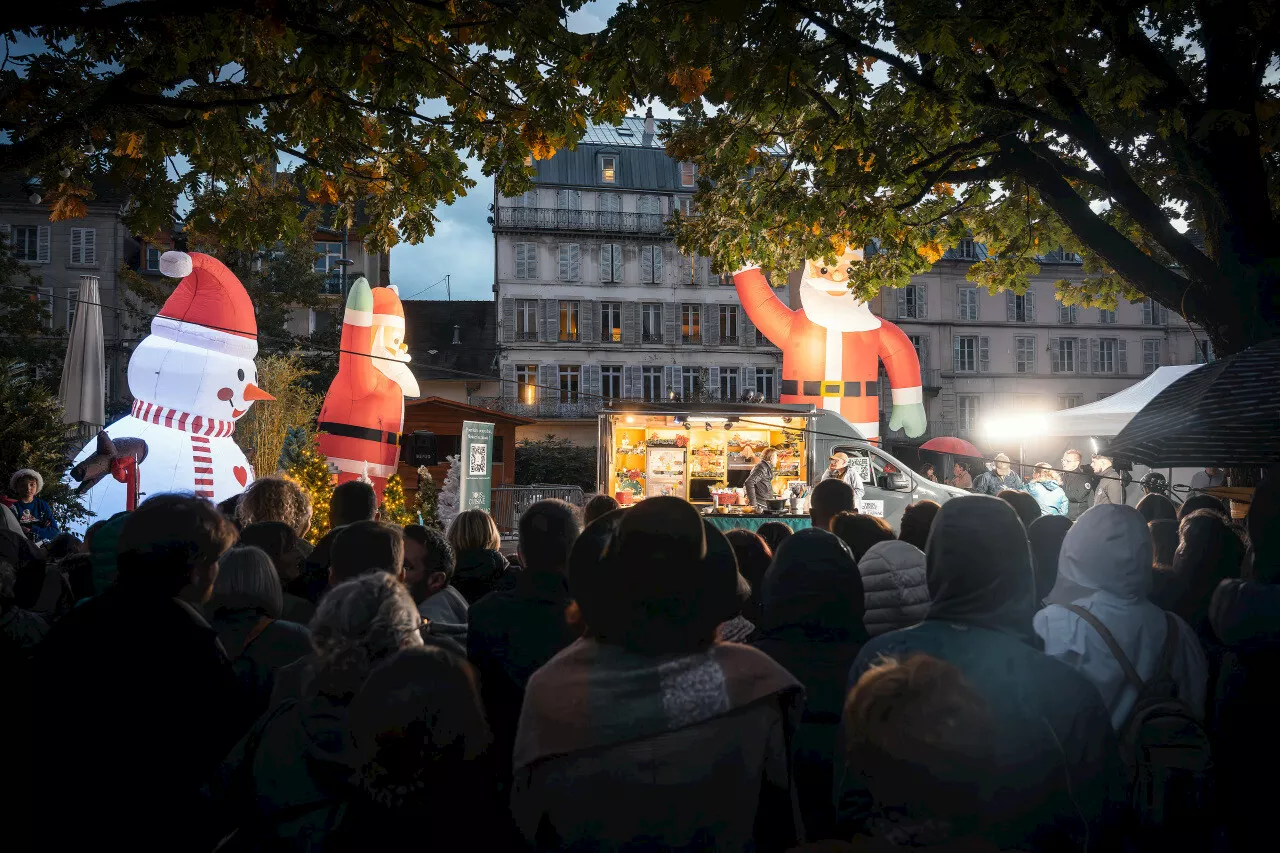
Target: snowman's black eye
(823, 271)
(240, 375)
(849, 270)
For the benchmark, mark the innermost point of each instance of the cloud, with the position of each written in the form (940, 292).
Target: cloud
(462, 247)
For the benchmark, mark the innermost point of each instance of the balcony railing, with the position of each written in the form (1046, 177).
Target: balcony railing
(651, 338)
(526, 336)
(598, 221)
(546, 407)
(729, 340)
(692, 339)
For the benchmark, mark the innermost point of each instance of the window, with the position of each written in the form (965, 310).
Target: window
(1022, 306)
(1069, 401)
(611, 381)
(1106, 318)
(966, 354)
(728, 324)
(1204, 352)
(1154, 314)
(527, 383)
(1106, 360)
(84, 246)
(651, 323)
(608, 170)
(911, 302)
(688, 174)
(611, 322)
(570, 382)
(761, 340)
(46, 302)
(728, 383)
(967, 250)
(685, 205)
(610, 207)
(568, 320)
(526, 319)
(694, 270)
(767, 383)
(691, 323)
(570, 264)
(1024, 359)
(153, 259)
(326, 255)
(689, 383)
(1063, 352)
(651, 264)
(651, 384)
(30, 243)
(650, 210)
(528, 160)
(73, 300)
(1150, 357)
(919, 345)
(611, 262)
(967, 303)
(526, 260)
(967, 408)
(1066, 314)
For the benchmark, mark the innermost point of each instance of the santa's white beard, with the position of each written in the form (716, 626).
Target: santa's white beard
(399, 373)
(841, 313)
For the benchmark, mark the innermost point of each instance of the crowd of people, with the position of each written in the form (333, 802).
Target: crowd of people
(992, 677)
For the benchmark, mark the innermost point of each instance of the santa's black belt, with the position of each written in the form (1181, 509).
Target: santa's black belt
(797, 388)
(351, 431)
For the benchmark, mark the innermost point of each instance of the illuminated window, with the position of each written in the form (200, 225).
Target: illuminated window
(691, 323)
(688, 174)
(608, 170)
(527, 383)
(611, 322)
(569, 320)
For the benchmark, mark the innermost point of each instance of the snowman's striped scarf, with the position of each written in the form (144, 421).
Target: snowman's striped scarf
(154, 413)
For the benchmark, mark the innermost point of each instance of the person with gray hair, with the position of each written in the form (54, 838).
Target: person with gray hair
(245, 610)
(296, 755)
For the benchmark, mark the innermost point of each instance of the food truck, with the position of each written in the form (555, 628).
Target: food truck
(702, 452)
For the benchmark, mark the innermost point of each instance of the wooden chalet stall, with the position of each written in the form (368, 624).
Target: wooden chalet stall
(444, 418)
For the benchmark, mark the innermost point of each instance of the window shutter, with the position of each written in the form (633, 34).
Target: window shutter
(631, 381)
(955, 353)
(522, 264)
(984, 348)
(591, 389)
(548, 322)
(902, 302)
(1122, 356)
(1031, 356)
(548, 383)
(1030, 305)
(746, 330)
(589, 321)
(1082, 355)
(704, 270)
(564, 262)
(1010, 307)
(1055, 356)
(42, 244)
(77, 246)
(575, 262)
(922, 302)
(711, 324)
(1094, 363)
(508, 373)
(657, 265)
(924, 354)
(960, 304)
(646, 264)
(671, 320)
(1146, 312)
(509, 320)
(1164, 316)
(1064, 316)
(630, 323)
(670, 381)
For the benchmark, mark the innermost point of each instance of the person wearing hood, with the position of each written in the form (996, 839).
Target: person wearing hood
(1110, 487)
(893, 575)
(1245, 615)
(1045, 488)
(999, 478)
(1108, 552)
(429, 567)
(481, 567)
(812, 625)
(1055, 769)
(287, 777)
(1046, 534)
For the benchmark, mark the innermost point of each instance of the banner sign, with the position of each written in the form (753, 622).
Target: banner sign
(476, 483)
(862, 465)
(875, 508)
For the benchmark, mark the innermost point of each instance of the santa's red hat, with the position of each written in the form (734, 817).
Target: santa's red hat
(210, 307)
(387, 308)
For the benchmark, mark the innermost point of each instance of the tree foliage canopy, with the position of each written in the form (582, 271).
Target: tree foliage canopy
(1078, 124)
(375, 98)
(555, 460)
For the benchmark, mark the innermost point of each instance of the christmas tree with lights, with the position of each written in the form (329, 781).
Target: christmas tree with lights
(447, 501)
(309, 469)
(396, 508)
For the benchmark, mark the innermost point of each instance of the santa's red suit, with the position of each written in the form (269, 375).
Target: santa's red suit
(834, 366)
(363, 413)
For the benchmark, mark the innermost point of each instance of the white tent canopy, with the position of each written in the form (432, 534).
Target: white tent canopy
(1108, 416)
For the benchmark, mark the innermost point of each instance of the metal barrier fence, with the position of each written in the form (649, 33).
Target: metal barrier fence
(509, 502)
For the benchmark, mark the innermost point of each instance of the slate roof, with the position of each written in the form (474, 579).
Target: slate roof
(430, 326)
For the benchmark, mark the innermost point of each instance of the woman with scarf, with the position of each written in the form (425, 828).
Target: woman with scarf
(813, 605)
(647, 733)
(1055, 775)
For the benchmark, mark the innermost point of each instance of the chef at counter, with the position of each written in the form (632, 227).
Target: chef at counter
(759, 483)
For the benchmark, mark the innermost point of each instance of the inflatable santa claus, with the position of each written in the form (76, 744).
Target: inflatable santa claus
(831, 347)
(363, 413)
(191, 379)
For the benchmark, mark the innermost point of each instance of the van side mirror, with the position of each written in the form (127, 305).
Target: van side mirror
(899, 482)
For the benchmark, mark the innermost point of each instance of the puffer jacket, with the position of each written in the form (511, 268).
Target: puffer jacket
(1052, 499)
(893, 577)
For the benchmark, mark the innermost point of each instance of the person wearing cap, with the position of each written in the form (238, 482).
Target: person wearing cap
(647, 733)
(33, 512)
(840, 469)
(999, 478)
(1110, 488)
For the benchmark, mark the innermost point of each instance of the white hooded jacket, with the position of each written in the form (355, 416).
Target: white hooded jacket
(1108, 552)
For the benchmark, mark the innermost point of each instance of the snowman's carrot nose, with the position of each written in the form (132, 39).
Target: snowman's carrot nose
(253, 392)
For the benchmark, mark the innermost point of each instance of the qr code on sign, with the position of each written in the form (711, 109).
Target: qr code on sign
(479, 459)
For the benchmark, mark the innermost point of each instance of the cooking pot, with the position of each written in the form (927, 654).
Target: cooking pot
(776, 504)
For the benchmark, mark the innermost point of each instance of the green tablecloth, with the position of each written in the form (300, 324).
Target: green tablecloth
(753, 522)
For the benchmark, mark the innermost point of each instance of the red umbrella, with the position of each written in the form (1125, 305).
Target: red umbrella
(954, 446)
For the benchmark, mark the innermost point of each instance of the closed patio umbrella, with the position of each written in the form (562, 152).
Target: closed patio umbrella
(82, 390)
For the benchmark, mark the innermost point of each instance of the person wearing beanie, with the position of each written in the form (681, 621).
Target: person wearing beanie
(33, 512)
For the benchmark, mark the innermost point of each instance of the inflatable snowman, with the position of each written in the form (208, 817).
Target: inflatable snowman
(191, 379)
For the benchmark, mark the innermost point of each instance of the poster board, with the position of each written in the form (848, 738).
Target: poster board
(861, 464)
(476, 483)
(875, 508)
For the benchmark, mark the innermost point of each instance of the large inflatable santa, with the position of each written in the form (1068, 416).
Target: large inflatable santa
(191, 379)
(832, 346)
(363, 413)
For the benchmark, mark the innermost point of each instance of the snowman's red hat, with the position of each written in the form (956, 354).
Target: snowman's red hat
(210, 307)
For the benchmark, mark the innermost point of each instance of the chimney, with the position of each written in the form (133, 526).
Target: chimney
(457, 330)
(648, 121)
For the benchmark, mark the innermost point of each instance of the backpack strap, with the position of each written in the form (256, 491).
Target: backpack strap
(1130, 673)
(1165, 669)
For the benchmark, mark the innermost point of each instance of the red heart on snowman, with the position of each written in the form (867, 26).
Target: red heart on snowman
(241, 474)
